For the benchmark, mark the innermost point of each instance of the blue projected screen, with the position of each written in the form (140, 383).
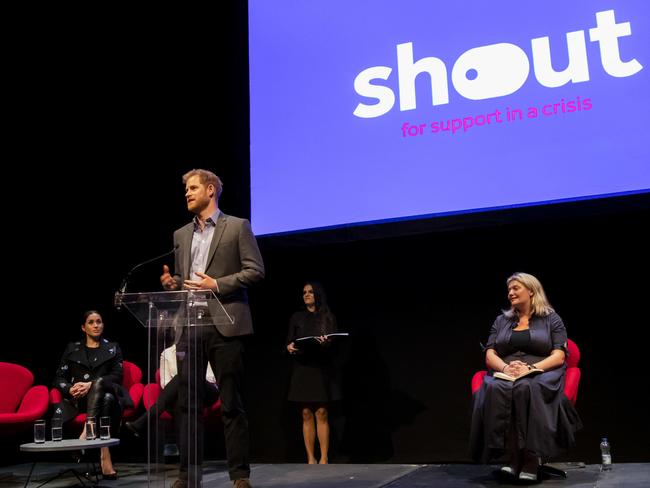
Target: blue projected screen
(366, 111)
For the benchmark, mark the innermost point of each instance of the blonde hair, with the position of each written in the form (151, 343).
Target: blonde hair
(206, 178)
(539, 304)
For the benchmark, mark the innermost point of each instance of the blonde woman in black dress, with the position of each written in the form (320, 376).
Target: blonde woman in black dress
(529, 418)
(313, 381)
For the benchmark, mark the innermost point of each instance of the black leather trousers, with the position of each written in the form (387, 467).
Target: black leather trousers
(102, 403)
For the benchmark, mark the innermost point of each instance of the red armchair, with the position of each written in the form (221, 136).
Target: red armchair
(20, 402)
(132, 382)
(572, 378)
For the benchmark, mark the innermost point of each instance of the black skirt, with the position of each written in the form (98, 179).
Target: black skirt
(313, 378)
(545, 420)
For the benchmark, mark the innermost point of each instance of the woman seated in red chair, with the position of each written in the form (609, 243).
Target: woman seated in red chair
(168, 399)
(90, 379)
(529, 417)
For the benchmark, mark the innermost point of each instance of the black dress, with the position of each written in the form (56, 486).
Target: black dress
(536, 406)
(313, 372)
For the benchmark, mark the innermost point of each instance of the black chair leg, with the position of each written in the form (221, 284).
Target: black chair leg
(29, 476)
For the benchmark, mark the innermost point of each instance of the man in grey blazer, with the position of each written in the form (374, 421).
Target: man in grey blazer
(218, 252)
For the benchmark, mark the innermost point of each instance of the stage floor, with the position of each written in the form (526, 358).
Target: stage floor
(340, 475)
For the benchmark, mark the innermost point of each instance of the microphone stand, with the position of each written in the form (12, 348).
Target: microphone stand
(117, 300)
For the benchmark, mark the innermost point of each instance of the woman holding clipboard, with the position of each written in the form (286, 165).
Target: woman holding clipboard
(313, 383)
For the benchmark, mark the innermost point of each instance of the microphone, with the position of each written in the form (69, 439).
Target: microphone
(122, 289)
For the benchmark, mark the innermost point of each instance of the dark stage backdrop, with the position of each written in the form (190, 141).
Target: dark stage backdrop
(152, 106)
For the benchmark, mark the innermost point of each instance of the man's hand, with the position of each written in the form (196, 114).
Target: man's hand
(292, 348)
(206, 283)
(166, 279)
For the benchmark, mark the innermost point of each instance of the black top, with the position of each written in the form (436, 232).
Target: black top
(306, 323)
(520, 340)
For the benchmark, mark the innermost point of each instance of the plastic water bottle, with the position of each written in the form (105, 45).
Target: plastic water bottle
(606, 455)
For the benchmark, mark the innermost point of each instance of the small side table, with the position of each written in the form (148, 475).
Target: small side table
(66, 445)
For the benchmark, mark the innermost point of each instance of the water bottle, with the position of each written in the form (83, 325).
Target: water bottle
(605, 454)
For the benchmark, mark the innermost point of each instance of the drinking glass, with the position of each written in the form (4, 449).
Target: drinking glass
(57, 429)
(105, 428)
(91, 433)
(39, 431)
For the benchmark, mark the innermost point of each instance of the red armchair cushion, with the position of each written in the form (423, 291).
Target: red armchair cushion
(477, 379)
(573, 358)
(15, 380)
(20, 402)
(133, 383)
(571, 383)
(33, 407)
(132, 374)
(151, 394)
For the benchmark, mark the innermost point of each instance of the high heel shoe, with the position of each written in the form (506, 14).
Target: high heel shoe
(110, 476)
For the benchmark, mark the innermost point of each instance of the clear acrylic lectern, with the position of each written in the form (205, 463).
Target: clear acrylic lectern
(173, 317)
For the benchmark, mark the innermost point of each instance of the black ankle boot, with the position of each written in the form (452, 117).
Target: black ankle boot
(139, 426)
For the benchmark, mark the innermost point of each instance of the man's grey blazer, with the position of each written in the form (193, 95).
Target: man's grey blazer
(234, 260)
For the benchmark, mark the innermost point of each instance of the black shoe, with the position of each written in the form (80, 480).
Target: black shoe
(112, 476)
(132, 428)
(171, 450)
(523, 476)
